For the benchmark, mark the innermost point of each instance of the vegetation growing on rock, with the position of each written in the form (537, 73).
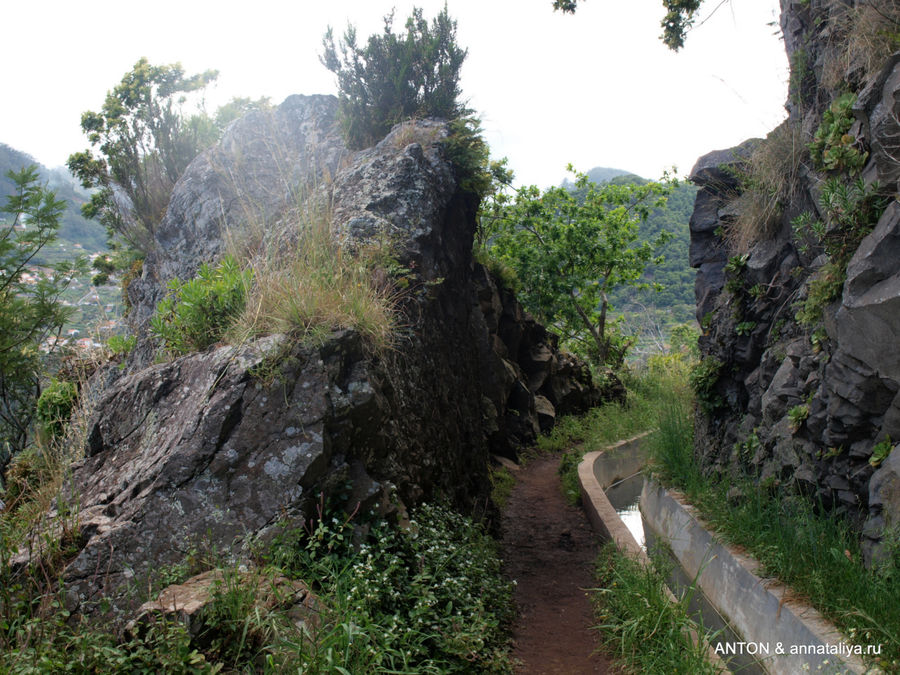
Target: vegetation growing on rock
(394, 77)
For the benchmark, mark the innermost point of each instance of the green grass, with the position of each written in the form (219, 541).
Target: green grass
(429, 598)
(816, 553)
(639, 624)
(650, 390)
(502, 484)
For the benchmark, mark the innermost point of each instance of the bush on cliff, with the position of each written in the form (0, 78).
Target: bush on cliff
(394, 77)
(197, 313)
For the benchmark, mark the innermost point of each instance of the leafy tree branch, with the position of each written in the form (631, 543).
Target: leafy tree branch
(570, 249)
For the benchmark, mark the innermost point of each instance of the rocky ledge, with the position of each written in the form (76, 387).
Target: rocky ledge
(222, 448)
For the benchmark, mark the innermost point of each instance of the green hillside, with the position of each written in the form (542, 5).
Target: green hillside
(93, 308)
(74, 229)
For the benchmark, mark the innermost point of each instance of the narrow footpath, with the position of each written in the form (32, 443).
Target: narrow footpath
(550, 549)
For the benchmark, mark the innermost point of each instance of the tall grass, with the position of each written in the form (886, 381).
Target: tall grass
(660, 383)
(815, 552)
(310, 285)
(639, 623)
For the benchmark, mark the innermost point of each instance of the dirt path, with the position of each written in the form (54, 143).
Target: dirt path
(549, 549)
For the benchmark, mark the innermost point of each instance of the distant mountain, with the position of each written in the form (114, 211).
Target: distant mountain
(74, 229)
(600, 174)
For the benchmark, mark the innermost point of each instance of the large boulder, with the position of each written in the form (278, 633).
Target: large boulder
(266, 164)
(221, 448)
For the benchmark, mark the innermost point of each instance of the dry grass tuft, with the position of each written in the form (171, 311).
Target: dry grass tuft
(307, 285)
(768, 183)
(864, 37)
(410, 132)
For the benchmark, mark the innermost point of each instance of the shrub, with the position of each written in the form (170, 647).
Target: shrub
(832, 147)
(196, 314)
(704, 377)
(54, 406)
(395, 76)
(428, 598)
(824, 288)
(797, 415)
(120, 345)
(881, 451)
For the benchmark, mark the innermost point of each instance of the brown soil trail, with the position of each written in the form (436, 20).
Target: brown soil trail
(549, 549)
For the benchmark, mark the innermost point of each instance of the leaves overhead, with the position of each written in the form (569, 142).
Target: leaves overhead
(676, 23)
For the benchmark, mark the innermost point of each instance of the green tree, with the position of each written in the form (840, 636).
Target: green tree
(396, 76)
(30, 309)
(145, 141)
(677, 21)
(569, 251)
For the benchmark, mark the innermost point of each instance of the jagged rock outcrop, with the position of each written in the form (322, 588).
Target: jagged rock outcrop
(221, 448)
(809, 402)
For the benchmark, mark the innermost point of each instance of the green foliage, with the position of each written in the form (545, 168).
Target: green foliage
(832, 147)
(818, 555)
(881, 451)
(745, 327)
(824, 288)
(470, 155)
(737, 264)
(74, 228)
(54, 406)
(196, 314)
(704, 377)
(651, 391)
(121, 345)
(427, 599)
(570, 251)
(683, 340)
(676, 23)
(639, 624)
(665, 294)
(502, 484)
(51, 645)
(797, 415)
(145, 142)
(30, 310)
(395, 76)
(851, 210)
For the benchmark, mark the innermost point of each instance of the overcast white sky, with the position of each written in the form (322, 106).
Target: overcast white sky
(594, 89)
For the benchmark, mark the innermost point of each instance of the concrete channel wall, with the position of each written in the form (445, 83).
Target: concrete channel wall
(759, 610)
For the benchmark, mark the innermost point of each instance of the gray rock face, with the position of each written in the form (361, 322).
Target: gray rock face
(868, 322)
(219, 448)
(884, 506)
(838, 378)
(265, 164)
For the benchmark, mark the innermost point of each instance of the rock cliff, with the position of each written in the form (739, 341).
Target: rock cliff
(222, 448)
(795, 238)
